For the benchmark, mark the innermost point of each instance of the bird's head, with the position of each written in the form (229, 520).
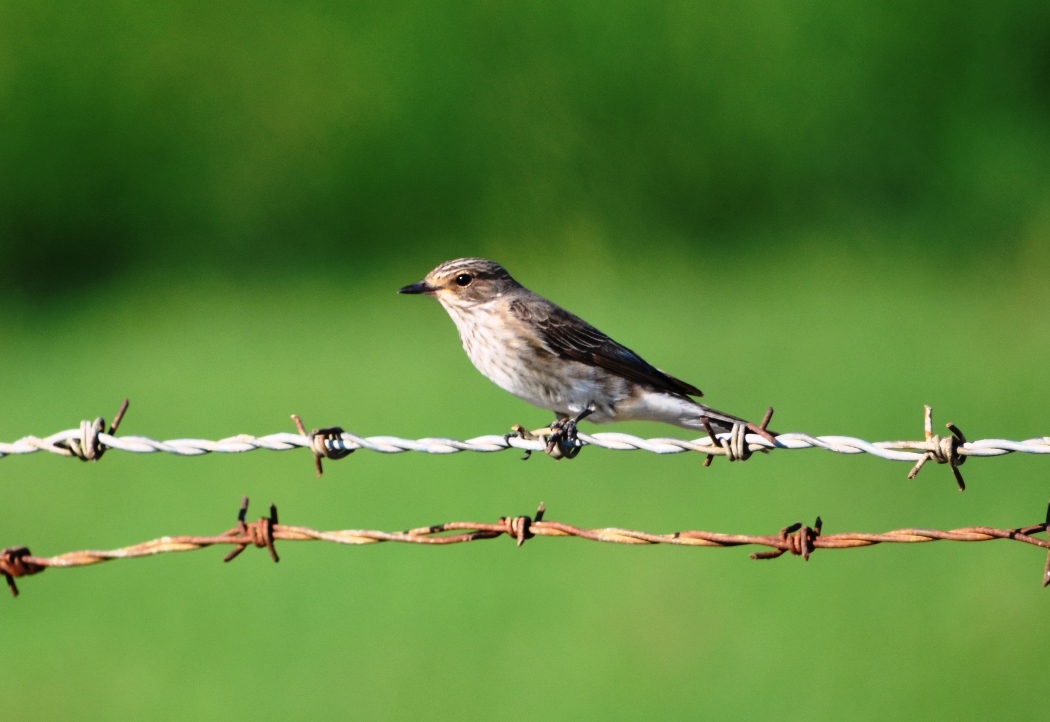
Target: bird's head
(465, 282)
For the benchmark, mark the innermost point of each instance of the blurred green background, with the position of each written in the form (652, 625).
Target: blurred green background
(838, 209)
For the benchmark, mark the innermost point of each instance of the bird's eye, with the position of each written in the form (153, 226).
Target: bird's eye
(464, 279)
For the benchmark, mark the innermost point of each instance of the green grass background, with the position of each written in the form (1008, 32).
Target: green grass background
(838, 209)
(839, 344)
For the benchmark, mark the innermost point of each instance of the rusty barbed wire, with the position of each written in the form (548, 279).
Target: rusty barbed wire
(797, 539)
(90, 441)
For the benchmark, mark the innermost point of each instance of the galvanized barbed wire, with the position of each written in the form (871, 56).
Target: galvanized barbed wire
(798, 539)
(89, 442)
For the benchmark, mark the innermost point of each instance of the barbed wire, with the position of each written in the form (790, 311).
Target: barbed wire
(91, 440)
(798, 539)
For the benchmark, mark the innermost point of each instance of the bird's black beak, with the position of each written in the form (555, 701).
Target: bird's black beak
(420, 287)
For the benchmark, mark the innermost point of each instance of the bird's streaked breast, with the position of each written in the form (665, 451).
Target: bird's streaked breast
(512, 356)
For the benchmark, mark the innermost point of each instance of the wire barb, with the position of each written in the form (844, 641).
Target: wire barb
(943, 451)
(87, 446)
(735, 446)
(519, 527)
(323, 443)
(15, 562)
(259, 533)
(763, 428)
(798, 539)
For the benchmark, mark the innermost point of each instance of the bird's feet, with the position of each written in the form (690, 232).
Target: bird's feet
(563, 441)
(561, 436)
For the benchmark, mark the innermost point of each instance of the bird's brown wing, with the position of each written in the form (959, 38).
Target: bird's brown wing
(571, 337)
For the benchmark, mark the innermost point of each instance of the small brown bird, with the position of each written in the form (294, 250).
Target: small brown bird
(555, 360)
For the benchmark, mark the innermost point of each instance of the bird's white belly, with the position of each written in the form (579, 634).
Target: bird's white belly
(512, 360)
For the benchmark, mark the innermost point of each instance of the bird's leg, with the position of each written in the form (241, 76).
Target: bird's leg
(546, 431)
(563, 441)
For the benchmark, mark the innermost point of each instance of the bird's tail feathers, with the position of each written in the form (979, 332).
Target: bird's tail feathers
(720, 421)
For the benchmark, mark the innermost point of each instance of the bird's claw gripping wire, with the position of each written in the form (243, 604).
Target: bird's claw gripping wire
(564, 442)
(561, 437)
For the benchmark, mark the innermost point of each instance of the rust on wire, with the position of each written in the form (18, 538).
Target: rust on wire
(800, 540)
(16, 562)
(763, 428)
(797, 539)
(259, 533)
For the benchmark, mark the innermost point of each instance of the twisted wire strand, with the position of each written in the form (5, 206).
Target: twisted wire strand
(332, 445)
(797, 539)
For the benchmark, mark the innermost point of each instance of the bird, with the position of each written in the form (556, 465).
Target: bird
(553, 359)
